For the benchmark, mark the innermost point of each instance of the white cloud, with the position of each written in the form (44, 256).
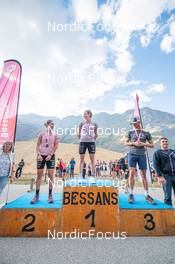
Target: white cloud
(143, 95)
(149, 34)
(124, 63)
(86, 10)
(156, 88)
(122, 105)
(135, 14)
(168, 42)
(63, 71)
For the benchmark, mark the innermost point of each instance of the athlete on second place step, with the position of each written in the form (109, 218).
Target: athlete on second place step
(46, 146)
(87, 134)
(138, 140)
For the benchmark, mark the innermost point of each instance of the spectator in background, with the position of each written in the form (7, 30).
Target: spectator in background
(64, 170)
(84, 170)
(6, 164)
(57, 167)
(117, 170)
(72, 167)
(89, 170)
(164, 164)
(104, 168)
(60, 168)
(101, 168)
(97, 167)
(21, 164)
(113, 169)
(67, 170)
(110, 167)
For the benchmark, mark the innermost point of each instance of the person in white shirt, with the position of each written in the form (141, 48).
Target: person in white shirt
(6, 164)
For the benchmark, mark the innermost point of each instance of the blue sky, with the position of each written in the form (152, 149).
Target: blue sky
(66, 71)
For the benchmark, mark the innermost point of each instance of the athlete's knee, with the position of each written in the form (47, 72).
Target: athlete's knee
(81, 158)
(92, 158)
(39, 176)
(143, 174)
(132, 172)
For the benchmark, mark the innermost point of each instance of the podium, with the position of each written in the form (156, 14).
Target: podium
(144, 219)
(19, 218)
(91, 211)
(86, 209)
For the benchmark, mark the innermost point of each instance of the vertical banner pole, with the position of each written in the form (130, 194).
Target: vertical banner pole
(9, 103)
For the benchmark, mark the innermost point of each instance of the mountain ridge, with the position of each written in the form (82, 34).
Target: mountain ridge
(158, 122)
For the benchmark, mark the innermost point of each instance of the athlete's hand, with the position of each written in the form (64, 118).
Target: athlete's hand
(161, 180)
(139, 144)
(48, 157)
(40, 157)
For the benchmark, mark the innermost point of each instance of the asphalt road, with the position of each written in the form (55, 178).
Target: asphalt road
(43, 251)
(129, 251)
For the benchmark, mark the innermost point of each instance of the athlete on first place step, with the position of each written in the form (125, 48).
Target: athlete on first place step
(87, 134)
(46, 146)
(138, 140)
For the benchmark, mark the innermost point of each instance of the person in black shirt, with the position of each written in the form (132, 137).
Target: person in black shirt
(164, 164)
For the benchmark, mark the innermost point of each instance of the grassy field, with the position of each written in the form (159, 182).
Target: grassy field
(27, 150)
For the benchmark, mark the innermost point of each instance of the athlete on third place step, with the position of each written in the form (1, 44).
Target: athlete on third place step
(87, 134)
(138, 140)
(46, 146)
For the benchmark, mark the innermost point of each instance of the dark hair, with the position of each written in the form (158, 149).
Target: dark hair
(163, 138)
(48, 123)
(89, 112)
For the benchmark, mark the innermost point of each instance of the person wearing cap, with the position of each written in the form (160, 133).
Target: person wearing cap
(46, 146)
(138, 140)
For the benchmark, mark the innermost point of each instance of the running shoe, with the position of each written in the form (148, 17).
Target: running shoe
(131, 199)
(35, 199)
(50, 199)
(150, 200)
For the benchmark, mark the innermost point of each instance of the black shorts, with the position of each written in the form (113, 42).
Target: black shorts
(49, 164)
(83, 146)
